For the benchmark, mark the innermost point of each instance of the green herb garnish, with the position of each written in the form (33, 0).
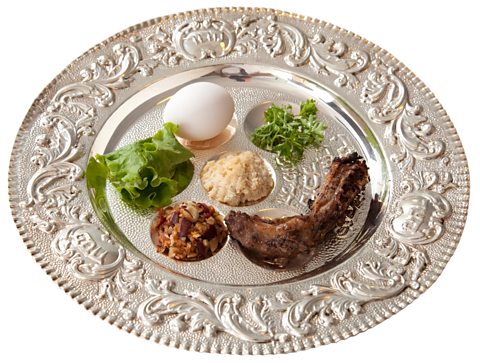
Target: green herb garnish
(288, 135)
(147, 173)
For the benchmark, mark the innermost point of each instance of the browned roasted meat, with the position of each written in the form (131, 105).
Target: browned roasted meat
(285, 238)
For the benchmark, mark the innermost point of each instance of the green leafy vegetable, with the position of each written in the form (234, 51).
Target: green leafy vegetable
(288, 135)
(147, 173)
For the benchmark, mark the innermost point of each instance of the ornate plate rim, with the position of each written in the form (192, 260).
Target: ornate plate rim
(393, 251)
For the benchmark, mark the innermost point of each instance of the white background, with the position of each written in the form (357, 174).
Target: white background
(440, 43)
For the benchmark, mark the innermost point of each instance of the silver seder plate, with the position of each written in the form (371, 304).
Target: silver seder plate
(393, 245)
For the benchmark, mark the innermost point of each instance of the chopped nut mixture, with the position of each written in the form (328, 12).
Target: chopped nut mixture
(188, 231)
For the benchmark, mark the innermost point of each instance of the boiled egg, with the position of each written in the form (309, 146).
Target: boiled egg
(202, 111)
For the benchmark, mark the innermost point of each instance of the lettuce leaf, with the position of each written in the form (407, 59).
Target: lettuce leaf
(147, 173)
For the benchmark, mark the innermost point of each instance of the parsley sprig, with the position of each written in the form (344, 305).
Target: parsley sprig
(288, 135)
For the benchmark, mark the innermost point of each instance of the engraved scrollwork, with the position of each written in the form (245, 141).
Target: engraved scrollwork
(407, 126)
(439, 182)
(161, 48)
(322, 305)
(92, 255)
(68, 118)
(197, 311)
(88, 251)
(327, 305)
(108, 73)
(324, 55)
(128, 278)
(300, 316)
(55, 151)
(214, 38)
(404, 255)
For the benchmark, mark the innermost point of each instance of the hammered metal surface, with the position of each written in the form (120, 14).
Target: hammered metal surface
(397, 242)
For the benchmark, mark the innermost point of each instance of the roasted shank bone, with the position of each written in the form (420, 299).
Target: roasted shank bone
(285, 238)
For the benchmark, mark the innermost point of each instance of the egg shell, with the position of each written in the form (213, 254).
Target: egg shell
(202, 111)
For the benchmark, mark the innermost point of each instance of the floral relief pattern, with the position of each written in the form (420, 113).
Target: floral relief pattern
(67, 120)
(407, 127)
(89, 252)
(213, 38)
(319, 305)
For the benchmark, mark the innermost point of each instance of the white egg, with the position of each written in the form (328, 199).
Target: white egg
(201, 110)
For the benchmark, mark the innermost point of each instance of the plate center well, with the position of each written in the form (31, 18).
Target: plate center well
(253, 88)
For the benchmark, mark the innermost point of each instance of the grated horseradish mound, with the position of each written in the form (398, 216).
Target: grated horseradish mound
(237, 178)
